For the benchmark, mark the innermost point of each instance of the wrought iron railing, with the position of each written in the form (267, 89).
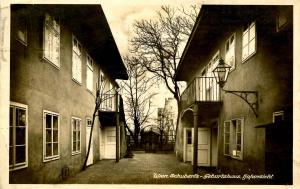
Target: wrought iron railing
(201, 89)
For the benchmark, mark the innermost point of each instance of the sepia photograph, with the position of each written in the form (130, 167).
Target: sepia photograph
(167, 93)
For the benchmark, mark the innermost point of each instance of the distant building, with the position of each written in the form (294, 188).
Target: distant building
(241, 133)
(60, 54)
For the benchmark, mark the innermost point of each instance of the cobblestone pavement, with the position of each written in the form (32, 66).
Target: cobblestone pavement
(150, 168)
(143, 168)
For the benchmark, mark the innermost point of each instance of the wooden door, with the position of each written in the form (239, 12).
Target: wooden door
(110, 143)
(204, 147)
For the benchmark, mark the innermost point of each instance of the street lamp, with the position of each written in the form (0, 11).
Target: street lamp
(221, 74)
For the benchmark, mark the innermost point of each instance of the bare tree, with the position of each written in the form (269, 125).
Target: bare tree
(102, 95)
(158, 43)
(137, 96)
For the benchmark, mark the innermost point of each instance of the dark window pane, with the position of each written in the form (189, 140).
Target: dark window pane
(78, 135)
(20, 135)
(74, 124)
(48, 121)
(48, 149)
(10, 136)
(74, 146)
(11, 110)
(238, 147)
(20, 154)
(55, 135)
(238, 140)
(21, 115)
(78, 145)
(226, 149)
(55, 148)
(227, 138)
(55, 122)
(11, 155)
(48, 135)
(74, 136)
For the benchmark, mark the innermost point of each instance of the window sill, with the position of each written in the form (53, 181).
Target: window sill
(51, 159)
(51, 63)
(233, 157)
(22, 42)
(76, 81)
(76, 153)
(248, 58)
(90, 91)
(18, 167)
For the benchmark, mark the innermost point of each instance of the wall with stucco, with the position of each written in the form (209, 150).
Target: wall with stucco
(38, 84)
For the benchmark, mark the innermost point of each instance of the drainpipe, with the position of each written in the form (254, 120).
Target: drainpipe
(117, 129)
(195, 142)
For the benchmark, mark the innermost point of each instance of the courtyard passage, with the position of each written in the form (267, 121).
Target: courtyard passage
(143, 168)
(152, 168)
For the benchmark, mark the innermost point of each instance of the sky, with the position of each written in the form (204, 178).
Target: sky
(122, 14)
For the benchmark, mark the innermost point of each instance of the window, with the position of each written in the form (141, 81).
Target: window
(209, 89)
(230, 52)
(281, 19)
(278, 116)
(233, 138)
(76, 60)
(52, 40)
(51, 136)
(18, 136)
(21, 29)
(89, 73)
(189, 137)
(76, 135)
(249, 41)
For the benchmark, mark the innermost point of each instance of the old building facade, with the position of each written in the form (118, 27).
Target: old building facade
(60, 55)
(232, 135)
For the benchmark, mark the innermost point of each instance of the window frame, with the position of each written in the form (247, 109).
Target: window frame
(53, 31)
(233, 138)
(18, 22)
(278, 113)
(25, 164)
(80, 58)
(249, 25)
(76, 151)
(53, 157)
(89, 67)
(234, 51)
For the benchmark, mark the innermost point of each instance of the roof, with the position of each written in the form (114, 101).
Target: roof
(89, 24)
(212, 24)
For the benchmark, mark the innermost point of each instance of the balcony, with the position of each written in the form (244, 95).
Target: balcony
(203, 91)
(108, 103)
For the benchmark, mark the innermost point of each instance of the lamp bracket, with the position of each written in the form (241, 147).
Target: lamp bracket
(246, 96)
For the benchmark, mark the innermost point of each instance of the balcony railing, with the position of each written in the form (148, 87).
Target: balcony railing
(201, 89)
(108, 102)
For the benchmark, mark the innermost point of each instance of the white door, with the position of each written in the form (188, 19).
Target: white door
(102, 143)
(110, 143)
(91, 154)
(204, 148)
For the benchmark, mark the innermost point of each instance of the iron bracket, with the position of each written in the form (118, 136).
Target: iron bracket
(252, 102)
